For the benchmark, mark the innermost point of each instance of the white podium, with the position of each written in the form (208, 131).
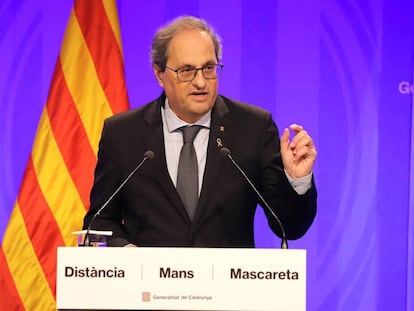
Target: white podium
(180, 279)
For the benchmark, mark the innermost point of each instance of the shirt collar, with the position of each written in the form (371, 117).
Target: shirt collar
(173, 122)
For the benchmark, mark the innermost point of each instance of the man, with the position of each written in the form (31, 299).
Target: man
(150, 210)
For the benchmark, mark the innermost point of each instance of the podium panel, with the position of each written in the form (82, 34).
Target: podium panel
(180, 279)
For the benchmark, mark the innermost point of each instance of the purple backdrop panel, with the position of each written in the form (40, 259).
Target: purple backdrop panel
(344, 70)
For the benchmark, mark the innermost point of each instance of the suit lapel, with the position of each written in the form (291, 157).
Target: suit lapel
(155, 142)
(217, 140)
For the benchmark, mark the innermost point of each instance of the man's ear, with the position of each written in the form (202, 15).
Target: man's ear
(158, 74)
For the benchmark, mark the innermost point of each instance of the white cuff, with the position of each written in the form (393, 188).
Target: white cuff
(301, 184)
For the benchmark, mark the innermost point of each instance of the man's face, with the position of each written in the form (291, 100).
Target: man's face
(189, 100)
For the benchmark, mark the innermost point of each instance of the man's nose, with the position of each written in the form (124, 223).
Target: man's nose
(199, 78)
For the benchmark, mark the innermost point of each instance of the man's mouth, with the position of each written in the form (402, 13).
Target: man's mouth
(199, 93)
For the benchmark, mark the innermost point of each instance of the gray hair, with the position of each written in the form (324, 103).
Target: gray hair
(162, 39)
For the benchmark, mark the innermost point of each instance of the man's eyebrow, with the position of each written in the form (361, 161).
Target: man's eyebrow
(209, 62)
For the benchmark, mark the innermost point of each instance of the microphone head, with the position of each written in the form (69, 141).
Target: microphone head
(225, 151)
(149, 154)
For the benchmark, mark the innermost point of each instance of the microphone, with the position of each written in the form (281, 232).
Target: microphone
(226, 152)
(148, 155)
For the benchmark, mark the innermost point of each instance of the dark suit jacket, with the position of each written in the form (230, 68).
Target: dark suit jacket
(149, 212)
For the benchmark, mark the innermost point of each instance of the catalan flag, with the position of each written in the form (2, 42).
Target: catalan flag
(88, 86)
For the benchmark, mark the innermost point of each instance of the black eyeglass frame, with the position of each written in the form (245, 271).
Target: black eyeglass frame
(219, 67)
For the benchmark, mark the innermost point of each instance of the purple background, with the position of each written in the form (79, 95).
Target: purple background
(343, 69)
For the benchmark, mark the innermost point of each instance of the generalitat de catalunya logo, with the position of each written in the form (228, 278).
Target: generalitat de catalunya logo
(146, 296)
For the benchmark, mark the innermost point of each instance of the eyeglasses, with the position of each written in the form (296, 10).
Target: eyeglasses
(188, 73)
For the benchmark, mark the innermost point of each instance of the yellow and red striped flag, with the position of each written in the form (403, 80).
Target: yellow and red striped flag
(88, 86)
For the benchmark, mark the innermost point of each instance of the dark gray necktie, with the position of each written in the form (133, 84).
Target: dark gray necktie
(187, 176)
